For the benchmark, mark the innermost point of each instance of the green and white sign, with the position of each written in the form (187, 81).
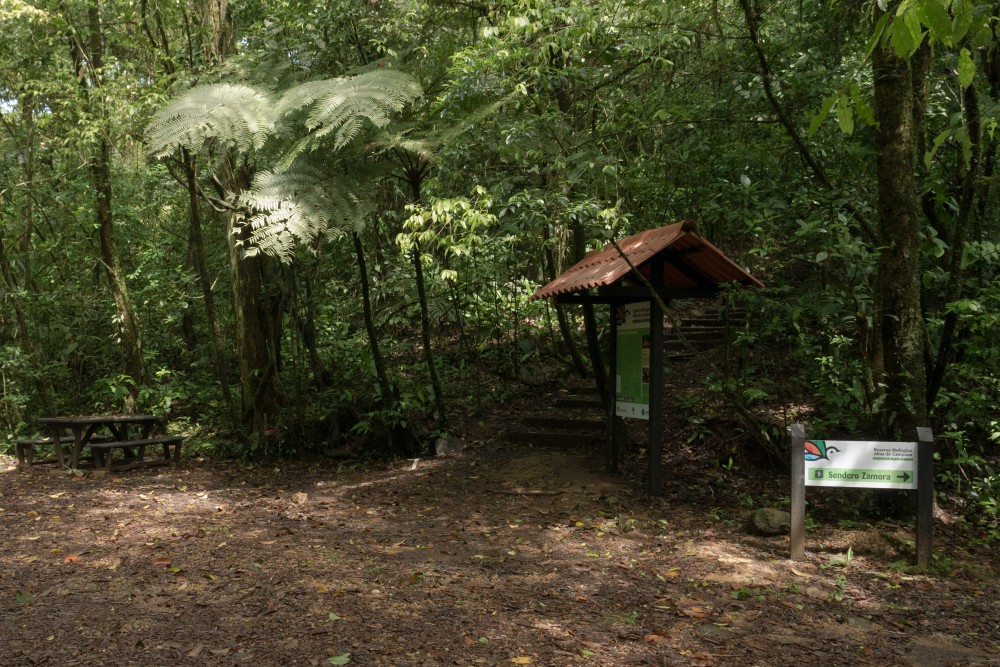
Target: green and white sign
(632, 361)
(861, 464)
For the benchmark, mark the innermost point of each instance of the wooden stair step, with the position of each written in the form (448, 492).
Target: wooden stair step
(676, 345)
(697, 334)
(555, 439)
(567, 423)
(578, 403)
(716, 318)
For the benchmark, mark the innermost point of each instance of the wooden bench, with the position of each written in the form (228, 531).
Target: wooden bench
(103, 450)
(25, 447)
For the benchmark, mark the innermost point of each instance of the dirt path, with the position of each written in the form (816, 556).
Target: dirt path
(497, 556)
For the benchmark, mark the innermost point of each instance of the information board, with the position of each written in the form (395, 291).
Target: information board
(632, 361)
(861, 464)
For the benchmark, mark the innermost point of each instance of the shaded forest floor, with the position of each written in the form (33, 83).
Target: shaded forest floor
(500, 555)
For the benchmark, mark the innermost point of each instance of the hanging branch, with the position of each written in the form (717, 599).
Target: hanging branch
(808, 159)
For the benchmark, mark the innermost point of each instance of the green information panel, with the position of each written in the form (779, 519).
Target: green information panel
(632, 359)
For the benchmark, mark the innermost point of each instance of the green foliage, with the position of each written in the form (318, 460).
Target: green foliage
(546, 128)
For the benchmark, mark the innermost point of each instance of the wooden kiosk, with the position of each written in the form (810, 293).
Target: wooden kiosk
(675, 262)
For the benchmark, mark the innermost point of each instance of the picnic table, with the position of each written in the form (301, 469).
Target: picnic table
(102, 434)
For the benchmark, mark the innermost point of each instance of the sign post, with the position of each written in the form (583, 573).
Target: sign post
(903, 466)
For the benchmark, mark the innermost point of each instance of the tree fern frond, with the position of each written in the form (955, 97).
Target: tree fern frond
(341, 106)
(297, 205)
(236, 114)
(426, 143)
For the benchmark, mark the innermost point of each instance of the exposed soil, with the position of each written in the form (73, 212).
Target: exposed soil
(500, 555)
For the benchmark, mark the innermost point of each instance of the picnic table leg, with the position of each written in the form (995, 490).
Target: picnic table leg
(53, 433)
(120, 432)
(79, 436)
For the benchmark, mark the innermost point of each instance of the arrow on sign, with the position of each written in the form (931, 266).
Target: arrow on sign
(904, 476)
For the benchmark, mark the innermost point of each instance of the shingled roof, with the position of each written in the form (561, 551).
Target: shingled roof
(690, 262)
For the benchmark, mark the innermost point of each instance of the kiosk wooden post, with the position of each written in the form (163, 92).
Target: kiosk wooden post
(656, 383)
(613, 435)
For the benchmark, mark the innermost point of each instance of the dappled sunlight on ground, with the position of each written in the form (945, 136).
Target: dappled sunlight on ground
(482, 558)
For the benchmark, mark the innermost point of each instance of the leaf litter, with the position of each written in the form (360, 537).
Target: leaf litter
(300, 564)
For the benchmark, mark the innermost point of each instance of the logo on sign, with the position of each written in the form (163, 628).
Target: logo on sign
(817, 449)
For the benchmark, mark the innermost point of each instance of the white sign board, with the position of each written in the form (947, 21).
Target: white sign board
(861, 464)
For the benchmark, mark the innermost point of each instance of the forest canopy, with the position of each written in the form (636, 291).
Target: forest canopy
(285, 225)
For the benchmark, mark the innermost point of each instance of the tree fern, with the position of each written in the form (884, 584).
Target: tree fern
(238, 115)
(299, 198)
(296, 206)
(342, 106)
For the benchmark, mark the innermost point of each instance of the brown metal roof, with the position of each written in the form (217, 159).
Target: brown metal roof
(689, 262)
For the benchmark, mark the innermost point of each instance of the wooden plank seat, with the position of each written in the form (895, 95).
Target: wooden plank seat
(25, 447)
(103, 450)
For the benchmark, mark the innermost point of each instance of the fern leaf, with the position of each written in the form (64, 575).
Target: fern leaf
(238, 115)
(296, 206)
(342, 106)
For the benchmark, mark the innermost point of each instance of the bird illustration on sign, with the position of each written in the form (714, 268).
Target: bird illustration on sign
(817, 449)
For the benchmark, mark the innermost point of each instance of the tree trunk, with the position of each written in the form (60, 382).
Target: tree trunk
(966, 209)
(197, 243)
(128, 325)
(305, 321)
(257, 354)
(425, 338)
(14, 291)
(381, 376)
(590, 322)
(415, 174)
(899, 320)
(564, 328)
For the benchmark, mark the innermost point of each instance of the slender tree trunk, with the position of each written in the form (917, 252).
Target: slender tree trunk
(899, 318)
(590, 322)
(415, 176)
(381, 376)
(14, 292)
(197, 242)
(101, 180)
(564, 328)
(305, 322)
(966, 209)
(425, 338)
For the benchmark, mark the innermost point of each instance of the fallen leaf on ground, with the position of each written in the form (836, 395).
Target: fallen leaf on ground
(695, 612)
(699, 659)
(521, 660)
